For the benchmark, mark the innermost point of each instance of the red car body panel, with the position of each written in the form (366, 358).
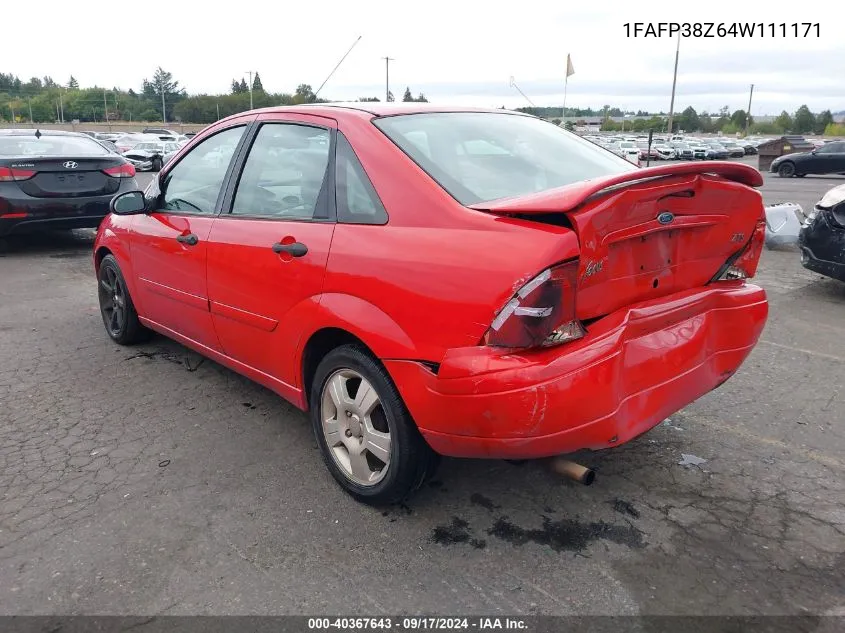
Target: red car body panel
(641, 365)
(422, 290)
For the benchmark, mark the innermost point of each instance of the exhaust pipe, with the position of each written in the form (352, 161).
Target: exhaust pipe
(575, 472)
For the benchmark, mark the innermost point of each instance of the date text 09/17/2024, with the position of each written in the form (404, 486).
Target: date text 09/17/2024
(416, 623)
(723, 29)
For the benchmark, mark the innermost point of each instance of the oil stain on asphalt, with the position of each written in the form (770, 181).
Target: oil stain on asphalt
(567, 534)
(456, 532)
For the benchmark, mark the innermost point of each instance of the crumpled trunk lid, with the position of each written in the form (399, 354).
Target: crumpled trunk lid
(651, 232)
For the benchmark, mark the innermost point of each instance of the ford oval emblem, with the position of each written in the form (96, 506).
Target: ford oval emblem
(666, 218)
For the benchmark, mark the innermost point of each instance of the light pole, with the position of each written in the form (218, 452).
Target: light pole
(250, 89)
(163, 107)
(748, 112)
(387, 61)
(674, 82)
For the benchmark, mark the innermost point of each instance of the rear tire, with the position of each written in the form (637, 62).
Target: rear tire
(116, 307)
(786, 170)
(348, 421)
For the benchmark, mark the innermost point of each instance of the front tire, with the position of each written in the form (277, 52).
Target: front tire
(786, 170)
(156, 164)
(368, 440)
(116, 306)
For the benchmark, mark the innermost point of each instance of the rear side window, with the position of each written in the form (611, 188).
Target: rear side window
(357, 200)
(284, 176)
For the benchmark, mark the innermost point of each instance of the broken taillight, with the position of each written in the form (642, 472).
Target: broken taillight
(743, 265)
(541, 313)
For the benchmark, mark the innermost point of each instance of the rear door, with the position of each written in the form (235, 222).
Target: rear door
(169, 245)
(267, 251)
(831, 158)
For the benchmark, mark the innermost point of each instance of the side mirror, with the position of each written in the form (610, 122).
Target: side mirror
(129, 203)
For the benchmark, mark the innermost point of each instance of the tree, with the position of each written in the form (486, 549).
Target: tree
(556, 121)
(72, 84)
(304, 94)
(688, 121)
(243, 87)
(408, 96)
(390, 96)
(784, 122)
(368, 99)
(822, 121)
(805, 121)
(569, 125)
(738, 118)
(256, 83)
(163, 82)
(421, 98)
(236, 87)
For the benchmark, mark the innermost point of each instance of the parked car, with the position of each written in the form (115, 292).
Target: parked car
(822, 237)
(827, 159)
(162, 133)
(57, 180)
(715, 150)
(664, 151)
(333, 258)
(683, 150)
(627, 150)
(128, 141)
(750, 147)
(149, 155)
(735, 150)
(646, 152)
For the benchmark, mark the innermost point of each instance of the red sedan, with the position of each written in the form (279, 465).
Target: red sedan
(430, 282)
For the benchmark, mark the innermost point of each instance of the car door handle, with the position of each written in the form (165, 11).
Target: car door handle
(190, 239)
(297, 249)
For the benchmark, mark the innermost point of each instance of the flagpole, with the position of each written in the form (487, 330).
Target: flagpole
(569, 71)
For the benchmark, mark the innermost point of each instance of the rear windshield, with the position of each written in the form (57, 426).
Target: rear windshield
(484, 156)
(50, 146)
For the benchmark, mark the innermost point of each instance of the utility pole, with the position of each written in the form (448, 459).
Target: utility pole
(30, 110)
(218, 111)
(250, 89)
(748, 112)
(61, 107)
(106, 109)
(674, 82)
(13, 113)
(163, 111)
(387, 61)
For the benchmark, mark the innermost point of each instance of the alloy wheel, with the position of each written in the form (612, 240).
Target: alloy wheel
(355, 427)
(113, 301)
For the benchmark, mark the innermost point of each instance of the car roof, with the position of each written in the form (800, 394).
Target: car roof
(31, 132)
(369, 109)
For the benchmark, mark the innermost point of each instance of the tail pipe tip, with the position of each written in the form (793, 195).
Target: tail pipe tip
(575, 472)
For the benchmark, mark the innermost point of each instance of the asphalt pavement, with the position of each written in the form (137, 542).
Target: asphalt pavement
(150, 481)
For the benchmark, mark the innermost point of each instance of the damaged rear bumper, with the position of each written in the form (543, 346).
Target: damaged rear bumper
(635, 367)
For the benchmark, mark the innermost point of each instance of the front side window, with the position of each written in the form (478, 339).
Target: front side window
(193, 185)
(284, 175)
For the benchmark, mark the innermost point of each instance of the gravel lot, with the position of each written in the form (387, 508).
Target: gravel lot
(149, 481)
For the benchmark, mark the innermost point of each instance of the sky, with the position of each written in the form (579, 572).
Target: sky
(456, 52)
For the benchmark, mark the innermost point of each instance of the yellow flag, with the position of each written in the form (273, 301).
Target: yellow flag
(570, 69)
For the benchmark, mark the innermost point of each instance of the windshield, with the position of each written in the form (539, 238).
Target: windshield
(483, 156)
(48, 145)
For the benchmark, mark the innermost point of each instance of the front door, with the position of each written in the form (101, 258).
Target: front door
(268, 249)
(169, 246)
